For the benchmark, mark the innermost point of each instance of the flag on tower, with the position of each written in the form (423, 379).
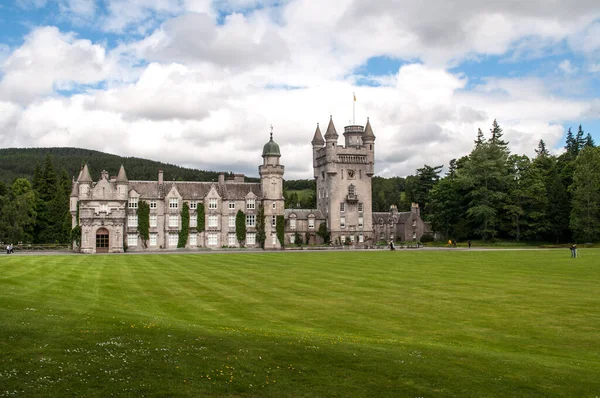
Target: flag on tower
(354, 96)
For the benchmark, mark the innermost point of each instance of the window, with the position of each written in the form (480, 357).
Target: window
(414, 236)
(131, 239)
(274, 205)
(212, 203)
(293, 238)
(292, 223)
(153, 204)
(133, 203)
(351, 190)
(251, 239)
(231, 205)
(173, 239)
(173, 203)
(231, 223)
(153, 239)
(250, 203)
(360, 222)
(213, 239)
(193, 205)
(352, 238)
(274, 239)
(193, 239)
(193, 221)
(132, 221)
(213, 222)
(273, 221)
(231, 239)
(104, 208)
(360, 207)
(153, 220)
(342, 207)
(342, 222)
(361, 239)
(250, 220)
(343, 239)
(382, 236)
(311, 223)
(414, 223)
(173, 221)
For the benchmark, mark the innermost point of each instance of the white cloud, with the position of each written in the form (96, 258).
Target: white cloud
(47, 59)
(199, 91)
(567, 67)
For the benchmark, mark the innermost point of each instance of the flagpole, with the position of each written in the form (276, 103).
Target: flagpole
(353, 109)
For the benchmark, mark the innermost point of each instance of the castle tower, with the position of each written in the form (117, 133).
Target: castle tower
(343, 178)
(271, 179)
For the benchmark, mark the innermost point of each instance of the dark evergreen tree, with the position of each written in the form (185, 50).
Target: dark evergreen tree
(542, 150)
(585, 215)
(240, 227)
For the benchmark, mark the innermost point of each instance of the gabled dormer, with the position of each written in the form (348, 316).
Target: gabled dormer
(212, 200)
(173, 200)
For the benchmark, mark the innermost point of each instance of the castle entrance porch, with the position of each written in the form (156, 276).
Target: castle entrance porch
(102, 240)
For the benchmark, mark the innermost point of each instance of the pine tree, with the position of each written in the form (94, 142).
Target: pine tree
(542, 150)
(589, 141)
(497, 134)
(585, 215)
(480, 138)
(571, 145)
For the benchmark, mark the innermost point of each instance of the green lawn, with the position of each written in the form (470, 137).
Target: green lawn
(338, 324)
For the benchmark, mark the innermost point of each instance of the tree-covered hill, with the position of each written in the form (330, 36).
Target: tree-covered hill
(20, 163)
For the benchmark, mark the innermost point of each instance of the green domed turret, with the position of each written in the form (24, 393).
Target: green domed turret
(271, 148)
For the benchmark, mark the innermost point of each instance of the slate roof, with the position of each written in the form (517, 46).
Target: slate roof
(122, 177)
(302, 214)
(331, 133)
(197, 190)
(368, 134)
(318, 138)
(401, 217)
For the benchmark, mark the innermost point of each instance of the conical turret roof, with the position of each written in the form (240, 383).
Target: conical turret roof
(318, 138)
(331, 133)
(368, 134)
(122, 177)
(85, 176)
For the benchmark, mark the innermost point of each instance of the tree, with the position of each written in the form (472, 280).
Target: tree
(261, 235)
(323, 233)
(185, 226)
(418, 188)
(585, 215)
(484, 178)
(143, 214)
(18, 216)
(542, 150)
(526, 200)
(240, 227)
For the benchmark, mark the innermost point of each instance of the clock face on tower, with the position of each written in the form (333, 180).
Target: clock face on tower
(351, 173)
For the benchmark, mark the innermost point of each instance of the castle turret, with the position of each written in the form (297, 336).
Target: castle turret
(317, 143)
(368, 140)
(85, 182)
(331, 137)
(271, 179)
(122, 183)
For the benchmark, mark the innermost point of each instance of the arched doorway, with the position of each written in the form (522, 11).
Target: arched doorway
(102, 240)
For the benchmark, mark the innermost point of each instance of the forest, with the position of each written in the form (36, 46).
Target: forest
(487, 194)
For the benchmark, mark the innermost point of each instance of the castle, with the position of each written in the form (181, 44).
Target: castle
(107, 210)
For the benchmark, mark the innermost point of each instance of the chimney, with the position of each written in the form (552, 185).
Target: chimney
(238, 178)
(221, 178)
(160, 177)
(414, 208)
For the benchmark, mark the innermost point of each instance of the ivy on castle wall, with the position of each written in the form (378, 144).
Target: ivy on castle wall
(185, 225)
(240, 227)
(200, 213)
(281, 230)
(76, 231)
(143, 214)
(261, 235)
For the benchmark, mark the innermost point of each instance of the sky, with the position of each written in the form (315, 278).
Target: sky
(199, 83)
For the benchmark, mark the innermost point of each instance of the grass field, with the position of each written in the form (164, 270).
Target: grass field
(337, 324)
